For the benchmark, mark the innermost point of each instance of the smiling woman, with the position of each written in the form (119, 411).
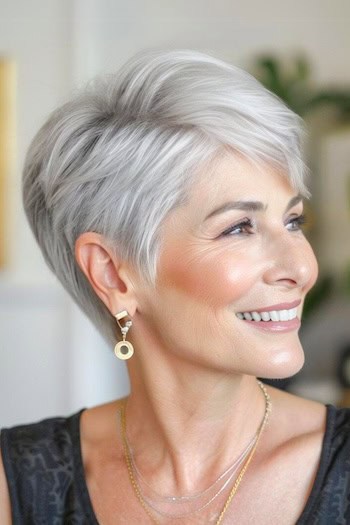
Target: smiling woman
(168, 200)
(246, 258)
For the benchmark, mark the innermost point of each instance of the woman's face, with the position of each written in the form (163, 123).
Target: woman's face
(221, 257)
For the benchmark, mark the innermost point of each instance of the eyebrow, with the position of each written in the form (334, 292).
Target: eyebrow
(250, 206)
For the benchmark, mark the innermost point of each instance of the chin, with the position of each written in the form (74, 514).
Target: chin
(283, 365)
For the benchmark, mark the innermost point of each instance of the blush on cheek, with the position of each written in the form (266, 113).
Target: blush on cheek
(219, 280)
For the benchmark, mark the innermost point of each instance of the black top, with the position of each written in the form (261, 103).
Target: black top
(45, 474)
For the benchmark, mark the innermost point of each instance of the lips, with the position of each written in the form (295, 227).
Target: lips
(275, 326)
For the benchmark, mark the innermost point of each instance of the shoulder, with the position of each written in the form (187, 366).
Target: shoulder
(337, 440)
(318, 436)
(328, 502)
(304, 425)
(36, 429)
(339, 419)
(38, 460)
(300, 418)
(100, 442)
(295, 419)
(98, 423)
(23, 444)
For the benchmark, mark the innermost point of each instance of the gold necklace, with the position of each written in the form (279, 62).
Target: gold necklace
(236, 484)
(225, 486)
(228, 474)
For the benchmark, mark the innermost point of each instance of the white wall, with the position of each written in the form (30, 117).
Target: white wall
(37, 35)
(51, 360)
(236, 31)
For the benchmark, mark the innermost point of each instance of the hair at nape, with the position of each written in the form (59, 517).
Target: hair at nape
(122, 154)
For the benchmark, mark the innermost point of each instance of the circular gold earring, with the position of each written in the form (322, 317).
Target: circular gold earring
(123, 350)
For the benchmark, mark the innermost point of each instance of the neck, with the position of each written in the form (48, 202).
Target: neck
(193, 421)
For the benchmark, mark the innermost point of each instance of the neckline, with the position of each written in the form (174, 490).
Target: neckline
(87, 503)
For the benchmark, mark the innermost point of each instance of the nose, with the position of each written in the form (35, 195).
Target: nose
(291, 261)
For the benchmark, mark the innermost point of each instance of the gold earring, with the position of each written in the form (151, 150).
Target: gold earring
(123, 350)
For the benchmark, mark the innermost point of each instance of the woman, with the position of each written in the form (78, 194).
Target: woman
(168, 200)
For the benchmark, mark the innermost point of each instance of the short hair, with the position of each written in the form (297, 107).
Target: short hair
(122, 154)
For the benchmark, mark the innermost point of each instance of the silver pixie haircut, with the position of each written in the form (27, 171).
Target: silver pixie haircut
(123, 153)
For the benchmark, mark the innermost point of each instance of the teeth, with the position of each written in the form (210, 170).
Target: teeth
(292, 313)
(284, 316)
(256, 316)
(275, 315)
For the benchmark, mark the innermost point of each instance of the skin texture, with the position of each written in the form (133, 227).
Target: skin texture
(205, 278)
(193, 374)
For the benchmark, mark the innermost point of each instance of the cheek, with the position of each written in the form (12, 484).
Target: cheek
(215, 280)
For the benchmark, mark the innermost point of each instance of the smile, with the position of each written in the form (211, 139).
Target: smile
(274, 315)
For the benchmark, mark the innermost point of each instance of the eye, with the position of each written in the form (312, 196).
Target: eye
(239, 229)
(297, 222)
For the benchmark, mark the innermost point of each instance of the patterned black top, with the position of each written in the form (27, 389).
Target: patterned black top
(44, 470)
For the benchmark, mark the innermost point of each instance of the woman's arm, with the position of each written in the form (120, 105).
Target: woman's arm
(5, 507)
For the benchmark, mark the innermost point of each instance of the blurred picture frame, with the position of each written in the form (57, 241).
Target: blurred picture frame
(7, 150)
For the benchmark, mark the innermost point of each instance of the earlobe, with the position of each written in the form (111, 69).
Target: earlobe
(104, 272)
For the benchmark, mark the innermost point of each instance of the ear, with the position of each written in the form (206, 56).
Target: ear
(107, 274)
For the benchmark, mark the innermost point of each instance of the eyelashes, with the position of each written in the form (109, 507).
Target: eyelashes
(239, 228)
(300, 221)
(246, 226)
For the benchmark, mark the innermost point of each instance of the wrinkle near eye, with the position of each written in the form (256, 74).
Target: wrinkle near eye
(202, 253)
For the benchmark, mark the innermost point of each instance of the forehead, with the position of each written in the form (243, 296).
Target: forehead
(231, 177)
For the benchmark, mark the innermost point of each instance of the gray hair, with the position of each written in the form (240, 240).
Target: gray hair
(123, 153)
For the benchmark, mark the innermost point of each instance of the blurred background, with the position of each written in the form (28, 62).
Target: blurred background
(52, 361)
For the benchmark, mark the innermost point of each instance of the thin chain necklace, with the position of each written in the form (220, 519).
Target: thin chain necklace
(170, 499)
(236, 483)
(179, 499)
(191, 512)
